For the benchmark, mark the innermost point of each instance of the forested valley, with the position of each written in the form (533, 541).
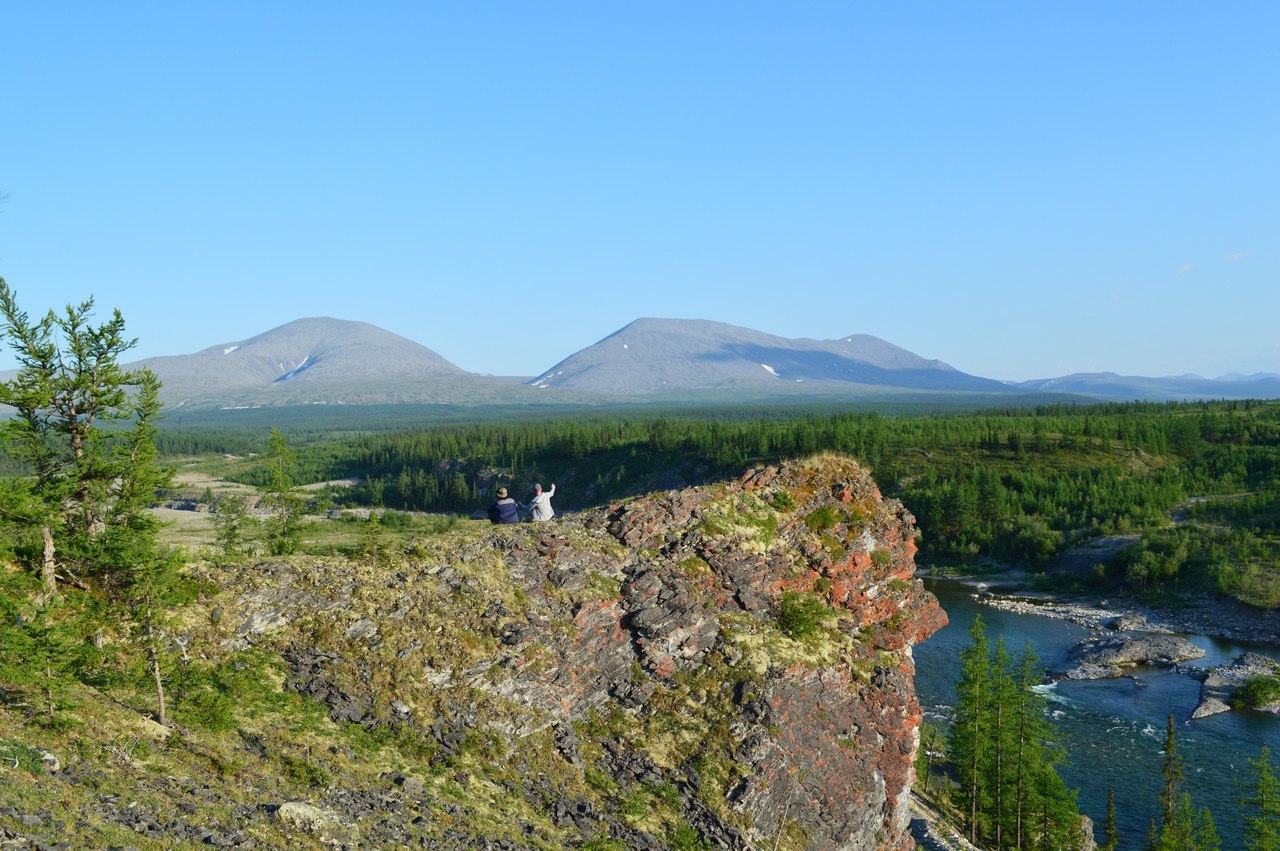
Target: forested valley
(1196, 484)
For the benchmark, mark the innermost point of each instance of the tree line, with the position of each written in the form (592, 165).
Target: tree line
(1005, 485)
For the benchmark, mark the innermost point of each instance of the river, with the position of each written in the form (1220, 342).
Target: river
(1114, 729)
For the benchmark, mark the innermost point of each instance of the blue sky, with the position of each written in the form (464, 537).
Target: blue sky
(1020, 189)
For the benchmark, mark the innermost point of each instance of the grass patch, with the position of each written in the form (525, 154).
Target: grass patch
(801, 615)
(24, 757)
(822, 519)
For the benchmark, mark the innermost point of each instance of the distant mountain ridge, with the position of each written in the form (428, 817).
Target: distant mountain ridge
(322, 360)
(1113, 387)
(666, 355)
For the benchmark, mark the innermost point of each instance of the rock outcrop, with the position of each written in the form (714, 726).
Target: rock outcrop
(1220, 684)
(732, 660)
(1113, 655)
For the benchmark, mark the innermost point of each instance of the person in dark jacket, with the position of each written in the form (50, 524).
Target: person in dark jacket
(505, 509)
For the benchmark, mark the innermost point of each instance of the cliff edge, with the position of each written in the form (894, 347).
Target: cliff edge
(747, 645)
(725, 666)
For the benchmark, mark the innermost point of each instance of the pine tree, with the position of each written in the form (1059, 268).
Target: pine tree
(131, 544)
(69, 390)
(230, 521)
(1004, 726)
(1030, 729)
(1182, 827)
(1262, 823)
(970, 744)
(1171, 768)
(1110, 829)
(284, 528)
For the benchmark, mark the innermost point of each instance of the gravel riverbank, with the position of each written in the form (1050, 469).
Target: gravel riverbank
(1217, 618)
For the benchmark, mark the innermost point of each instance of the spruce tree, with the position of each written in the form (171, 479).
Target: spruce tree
(1171, 768)
(1205, 835)
(68, 392)
(1262, 819)
(1058, 814)
(1182, 827)
(1029, 729)
(281, 497)
(1110, 829)
(971, 744)
(230, 523)
(130, 544)
(1004, 728)
(90, 484)
(1003, 752)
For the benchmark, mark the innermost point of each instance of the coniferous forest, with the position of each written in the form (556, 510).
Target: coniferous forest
(1198, 482)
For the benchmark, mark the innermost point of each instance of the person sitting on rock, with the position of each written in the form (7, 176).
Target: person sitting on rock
(504, 509)
(540, 506)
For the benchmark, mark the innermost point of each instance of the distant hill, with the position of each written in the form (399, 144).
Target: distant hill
(336, 362)
(325, 361)
(1113, 387)
(662, 356)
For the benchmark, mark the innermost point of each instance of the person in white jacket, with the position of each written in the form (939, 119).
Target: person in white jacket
(540, 506)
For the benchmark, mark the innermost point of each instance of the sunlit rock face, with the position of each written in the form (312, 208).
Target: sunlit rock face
(732, 658)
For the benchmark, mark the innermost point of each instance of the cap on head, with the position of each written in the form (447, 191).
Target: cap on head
(502, 493)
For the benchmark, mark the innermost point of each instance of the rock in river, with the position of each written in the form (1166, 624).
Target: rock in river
(1110, 656)
(1220, 683)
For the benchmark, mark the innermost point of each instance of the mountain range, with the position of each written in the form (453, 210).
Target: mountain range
(326, 361)
(335, 361)
(664, 355)
(1108, 385)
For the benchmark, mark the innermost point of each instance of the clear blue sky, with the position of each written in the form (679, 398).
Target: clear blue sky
(1021, 189)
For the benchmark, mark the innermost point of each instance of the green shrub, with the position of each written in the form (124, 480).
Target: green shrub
(822, 519)
(207, 707)
(682, 837)
(834, 548)
(782, 501)
(800, 614)
(1257, 691)
(304, 772)
(215, 696)
(602, 843)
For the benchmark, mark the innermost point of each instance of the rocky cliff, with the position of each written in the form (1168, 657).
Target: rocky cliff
(745, 648)
(726, 666)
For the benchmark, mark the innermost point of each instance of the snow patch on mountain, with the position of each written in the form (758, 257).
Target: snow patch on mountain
(291, 373)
